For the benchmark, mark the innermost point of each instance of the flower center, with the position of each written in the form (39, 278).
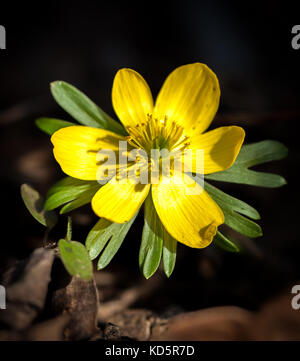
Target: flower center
(157, 134)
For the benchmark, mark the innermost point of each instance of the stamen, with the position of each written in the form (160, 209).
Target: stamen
(157, 133)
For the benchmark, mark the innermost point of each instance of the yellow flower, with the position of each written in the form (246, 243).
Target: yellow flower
(184, 109)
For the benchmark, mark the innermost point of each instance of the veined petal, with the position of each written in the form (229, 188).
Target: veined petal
(119, 202)
(76, 147)
(190, 96)
(220, 148)
(131, 97)
(187, 211)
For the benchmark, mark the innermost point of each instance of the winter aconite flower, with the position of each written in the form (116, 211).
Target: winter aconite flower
(184, 109)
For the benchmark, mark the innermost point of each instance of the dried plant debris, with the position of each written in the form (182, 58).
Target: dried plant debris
(68, 308)
(26, 289)
(217, 323)
(276, 321)
(78, 298)
(135, 324)
(50, 330)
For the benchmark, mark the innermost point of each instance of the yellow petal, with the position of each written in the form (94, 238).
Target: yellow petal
(220, 148)
(191, 219)
(190, 96)
(131, 97)
(76, 147)
(119, 202)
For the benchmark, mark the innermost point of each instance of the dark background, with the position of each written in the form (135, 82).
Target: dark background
(247, 44)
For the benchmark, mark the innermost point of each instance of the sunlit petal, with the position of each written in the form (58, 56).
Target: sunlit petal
(76, 147)
(119, 202)
(131, 97)
(220, 148)
(187, 211)
(190, 96)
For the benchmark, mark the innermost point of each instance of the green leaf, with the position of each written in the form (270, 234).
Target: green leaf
(100, 234)
(76, 259)
(225, 201)
(242, 224)
(34, 202)
(241, 175)
(114, 244)
(103, 232)
(261, 152)
(51, 125)
(69, 189)
(223, 242)
(83, 199)
(81, 108)
(169, 252)
(250, 155)
(230, 206)
(152, 241)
